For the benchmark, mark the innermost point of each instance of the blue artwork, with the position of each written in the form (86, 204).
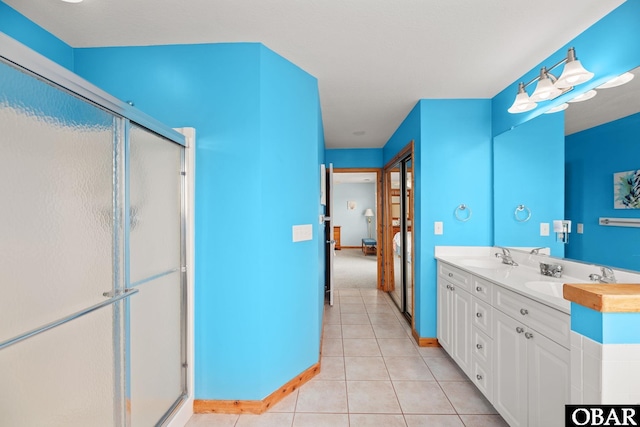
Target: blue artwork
(626, 190)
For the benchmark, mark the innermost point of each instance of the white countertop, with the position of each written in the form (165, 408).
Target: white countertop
(514, 278)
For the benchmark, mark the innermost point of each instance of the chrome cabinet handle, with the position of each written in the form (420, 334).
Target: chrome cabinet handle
(479, 377)
(448, 286)
(519, 330)
(450, 274)
(453, 289)
(524, 311)
(528, 335)
(479, 346)
(478, 315)
(478, 288)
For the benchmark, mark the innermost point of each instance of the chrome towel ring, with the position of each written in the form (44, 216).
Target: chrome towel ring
(461, 208)
(519, 216)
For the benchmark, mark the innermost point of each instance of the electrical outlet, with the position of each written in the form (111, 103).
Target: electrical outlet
(580, 228)
(438, 228)
(544, 228)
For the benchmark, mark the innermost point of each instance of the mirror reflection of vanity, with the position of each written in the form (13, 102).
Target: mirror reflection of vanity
(561, 167)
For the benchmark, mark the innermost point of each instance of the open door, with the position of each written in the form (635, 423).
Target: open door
(328, 234)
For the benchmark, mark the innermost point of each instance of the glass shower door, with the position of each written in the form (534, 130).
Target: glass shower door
(157, 361)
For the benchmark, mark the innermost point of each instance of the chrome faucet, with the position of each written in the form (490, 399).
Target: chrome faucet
(552, 270)
(536, 251)
(506, 257)
(607, 276)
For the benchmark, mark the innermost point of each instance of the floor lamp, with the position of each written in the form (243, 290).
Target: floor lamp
(369, 215)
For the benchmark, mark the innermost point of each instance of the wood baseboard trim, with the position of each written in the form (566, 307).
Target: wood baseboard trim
(424, 342)
(255, 406)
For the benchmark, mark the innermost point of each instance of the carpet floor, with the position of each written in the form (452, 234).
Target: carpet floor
(353, 269)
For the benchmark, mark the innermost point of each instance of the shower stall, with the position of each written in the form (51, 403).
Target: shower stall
(93, 313)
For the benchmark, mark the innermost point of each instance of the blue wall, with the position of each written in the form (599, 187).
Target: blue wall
(592, 157)
(353, 223)
(608, 48)
(354, 157)
(452, 152)
(529, 170)
(26, 32)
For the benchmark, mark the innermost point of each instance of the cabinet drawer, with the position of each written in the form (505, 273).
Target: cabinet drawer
(455, 276)
(482, 289)
(551, 323)
(481, 377)
(481, 315)
(481, 347)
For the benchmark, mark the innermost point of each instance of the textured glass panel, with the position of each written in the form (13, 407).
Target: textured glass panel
(56, 166)
(156, 368)
(63, 377)
(155, 204)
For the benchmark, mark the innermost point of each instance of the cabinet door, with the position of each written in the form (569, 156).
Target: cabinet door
(509, 369)
(549, 381)
(461, 331)
(445, 302)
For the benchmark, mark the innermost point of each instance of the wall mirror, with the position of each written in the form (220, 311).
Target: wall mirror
(563, 168)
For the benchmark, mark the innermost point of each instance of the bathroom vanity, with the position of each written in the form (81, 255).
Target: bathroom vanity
(508, 327)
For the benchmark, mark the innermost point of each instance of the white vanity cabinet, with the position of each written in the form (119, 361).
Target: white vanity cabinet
(516, 350)
(531, 372)
(454, 314)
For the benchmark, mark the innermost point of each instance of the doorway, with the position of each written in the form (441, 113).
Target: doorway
(398, 226)
(357, 220)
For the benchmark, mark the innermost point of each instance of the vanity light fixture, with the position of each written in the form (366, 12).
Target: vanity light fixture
(584, 96)
(549, 87)
(617, 81)
(557, 109)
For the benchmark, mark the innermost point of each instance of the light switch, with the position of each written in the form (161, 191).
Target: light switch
(438, 228)
(302, 232)
(544, 228)
(580, 228)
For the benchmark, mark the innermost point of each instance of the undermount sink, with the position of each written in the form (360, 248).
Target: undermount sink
(490, 263)
(546, 287)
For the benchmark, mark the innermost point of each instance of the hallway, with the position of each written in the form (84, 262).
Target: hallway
(373, 374)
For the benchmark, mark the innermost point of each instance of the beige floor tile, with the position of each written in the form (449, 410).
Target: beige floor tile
(365, 368)
(371, 292)
(433, 352)
(370, 397)
(332, 347)
(288, 404)
(408, 368)
(265, 420)
(332, 317)
(357, 331)
(332, 331)
(320, 420)
(445, 369)
(331, 369)
(352, 308)
(397, 347)
(389, 330)
(422, 397)
(322, 396)
(433, 421)
(383, 318)
(355, 319)
(379, 308)
(351, 300)
(348, 292)
(361, 347)
(212, 420)
(375, 299)
(376, 420)
(466, 398)
(483, 421)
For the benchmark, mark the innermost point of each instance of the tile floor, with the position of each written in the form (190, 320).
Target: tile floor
(373, 374)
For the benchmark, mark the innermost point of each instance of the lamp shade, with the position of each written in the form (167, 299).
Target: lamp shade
(557, 109)
(617, 81)
(522, 102)
(545, 90)
(368, 213)
(584, 96)
(573, 73)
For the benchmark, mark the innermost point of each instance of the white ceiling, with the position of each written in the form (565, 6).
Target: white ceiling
(374, 59)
